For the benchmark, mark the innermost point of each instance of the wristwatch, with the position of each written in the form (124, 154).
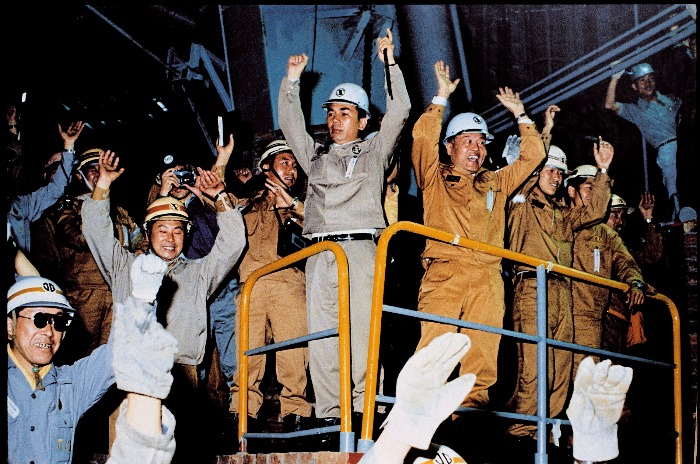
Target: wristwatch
(638, 283)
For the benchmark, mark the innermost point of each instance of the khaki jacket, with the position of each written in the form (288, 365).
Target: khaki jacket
(457, 202)
(599, 250)
(543, 227)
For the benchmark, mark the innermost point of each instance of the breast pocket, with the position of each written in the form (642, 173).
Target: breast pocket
(62, 433)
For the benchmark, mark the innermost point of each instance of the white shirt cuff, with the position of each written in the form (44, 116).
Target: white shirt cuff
(439, 100)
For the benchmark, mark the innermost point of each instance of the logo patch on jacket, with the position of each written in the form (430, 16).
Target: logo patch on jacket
(452, 178)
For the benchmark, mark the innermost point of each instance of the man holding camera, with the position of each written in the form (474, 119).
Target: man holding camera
(278, 300)
(177, 180)
(187, 286)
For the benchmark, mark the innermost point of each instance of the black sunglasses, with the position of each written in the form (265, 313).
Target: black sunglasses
(59, 322)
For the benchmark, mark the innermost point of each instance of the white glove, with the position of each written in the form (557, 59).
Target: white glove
(512, 149)
(143, 352)
(147, 272)
(618, 74)
(423, 400)
(595, 407)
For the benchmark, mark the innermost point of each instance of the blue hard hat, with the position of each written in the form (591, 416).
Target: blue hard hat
(640, 70)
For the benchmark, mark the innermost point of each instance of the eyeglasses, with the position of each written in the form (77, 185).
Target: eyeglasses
(59, 322)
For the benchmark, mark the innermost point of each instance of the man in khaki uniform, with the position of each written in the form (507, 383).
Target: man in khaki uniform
(278, 300)
(465, 198)
(85, 285)
(343, 204)
(623, 325)
(598, 250)
(541, 224)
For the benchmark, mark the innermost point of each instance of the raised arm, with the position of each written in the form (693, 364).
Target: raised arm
(445, 86)
(398, 105)
(231, 238)
(610, 102)
(290, 115)
(426, 131)
(531, 150)
(109, 172)
(223, 155)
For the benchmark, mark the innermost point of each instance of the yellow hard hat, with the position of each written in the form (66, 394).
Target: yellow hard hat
(167, 209)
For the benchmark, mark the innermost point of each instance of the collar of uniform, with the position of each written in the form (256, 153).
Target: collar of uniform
(347, 143)
(659, 98)
(27, 374)
(189, 199)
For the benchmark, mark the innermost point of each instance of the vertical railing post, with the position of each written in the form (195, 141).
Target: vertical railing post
(542, 378)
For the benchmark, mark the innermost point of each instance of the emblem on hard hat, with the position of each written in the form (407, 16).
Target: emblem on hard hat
(356, 149)
(477, 120)
(174, 207)
(340, 92)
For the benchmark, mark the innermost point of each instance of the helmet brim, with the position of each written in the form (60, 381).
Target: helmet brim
(489, 137)
(327, 103)
(45, 304)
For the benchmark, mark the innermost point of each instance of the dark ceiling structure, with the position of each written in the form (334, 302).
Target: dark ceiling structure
(151, 79)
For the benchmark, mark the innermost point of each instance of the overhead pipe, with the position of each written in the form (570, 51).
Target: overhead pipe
(586, 58)
(460, 51)
(230, 105)
(603, 73)
(607, 57)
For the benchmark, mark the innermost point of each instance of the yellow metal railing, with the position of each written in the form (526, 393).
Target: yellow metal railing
(343, 334)
(436, 234)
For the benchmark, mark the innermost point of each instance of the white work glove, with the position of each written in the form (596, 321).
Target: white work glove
(143, 351)
(147, 272)
(596, 406)
(423, 400)
(512, 149)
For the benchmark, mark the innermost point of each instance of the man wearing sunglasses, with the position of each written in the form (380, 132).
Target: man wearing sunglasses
(45, 402)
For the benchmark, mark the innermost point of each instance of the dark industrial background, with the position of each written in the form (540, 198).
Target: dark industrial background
(150, 80)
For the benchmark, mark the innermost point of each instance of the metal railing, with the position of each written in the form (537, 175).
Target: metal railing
(543, 342)
(347, 437)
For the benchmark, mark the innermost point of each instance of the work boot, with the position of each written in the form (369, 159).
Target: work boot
(297, 423)
(329, 441)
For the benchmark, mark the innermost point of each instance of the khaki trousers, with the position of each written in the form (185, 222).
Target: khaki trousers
(277, 312)
(559, 327)
(462, 290)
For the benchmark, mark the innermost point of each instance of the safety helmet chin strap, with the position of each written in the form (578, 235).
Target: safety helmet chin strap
(283, 183)
(89, 185)
(35, 367)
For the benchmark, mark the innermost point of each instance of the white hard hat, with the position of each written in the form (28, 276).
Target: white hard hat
(349, 93)
(639, 70)
(583, 171)
(556, 158)
(439, 455)
(467, 122)
(35, 291)
(616, 201)
(273, 148)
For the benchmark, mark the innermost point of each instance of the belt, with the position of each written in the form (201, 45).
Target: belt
(533, 275)
(666, 142)
(344, 237)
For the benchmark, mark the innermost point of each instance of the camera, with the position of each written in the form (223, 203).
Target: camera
(187, 175)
